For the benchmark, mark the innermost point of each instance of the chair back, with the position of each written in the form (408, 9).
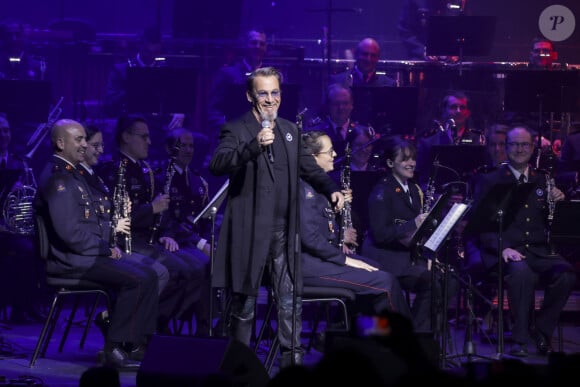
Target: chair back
(42, 245)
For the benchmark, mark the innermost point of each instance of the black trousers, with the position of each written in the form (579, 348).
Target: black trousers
(184, 286)
(136, 298)
(242, 312)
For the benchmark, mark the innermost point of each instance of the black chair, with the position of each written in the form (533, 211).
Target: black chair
(322, 297)
(63, 287)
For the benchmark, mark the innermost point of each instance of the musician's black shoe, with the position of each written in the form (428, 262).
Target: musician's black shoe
(117, 358)
(519, 350)
(542, 343)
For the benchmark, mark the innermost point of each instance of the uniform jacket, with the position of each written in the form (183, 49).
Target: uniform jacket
(188, 192)
(391, 219)
(75, 231)
(319, 233)
(525, 217)
(140, 184)
(248, 217)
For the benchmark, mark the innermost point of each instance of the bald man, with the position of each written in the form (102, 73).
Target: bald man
(79, 250)
(364, 72)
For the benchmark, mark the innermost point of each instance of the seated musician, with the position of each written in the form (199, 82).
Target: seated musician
(328, 256)
(527, 256)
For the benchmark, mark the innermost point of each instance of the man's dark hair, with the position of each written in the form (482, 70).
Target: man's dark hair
(262, 72)
(125, 123)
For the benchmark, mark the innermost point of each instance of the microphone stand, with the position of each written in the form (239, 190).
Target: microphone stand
(297, 247)
(210, 212)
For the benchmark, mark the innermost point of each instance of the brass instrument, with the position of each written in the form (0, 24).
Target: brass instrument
(17, 209)
(346, 212)
(430, 190)
(43, 129)
(168, 179)
(121, 207)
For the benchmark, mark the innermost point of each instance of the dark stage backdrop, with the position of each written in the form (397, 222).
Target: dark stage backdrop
(295, 22)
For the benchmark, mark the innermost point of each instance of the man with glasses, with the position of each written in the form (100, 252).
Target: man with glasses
(527, 257)
(260, 154)
(148, 203)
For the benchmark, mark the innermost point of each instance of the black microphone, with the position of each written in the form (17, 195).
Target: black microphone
(268, 124)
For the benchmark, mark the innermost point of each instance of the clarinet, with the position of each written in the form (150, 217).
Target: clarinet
(346, 212)
(121, 207)
(166, 187)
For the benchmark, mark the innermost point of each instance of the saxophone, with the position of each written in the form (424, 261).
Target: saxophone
(166, 187)
(121, 207)
(346, 212)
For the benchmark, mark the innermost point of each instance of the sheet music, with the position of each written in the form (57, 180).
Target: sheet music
(454, 214)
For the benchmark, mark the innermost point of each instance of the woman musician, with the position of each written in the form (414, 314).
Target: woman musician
(395, 208)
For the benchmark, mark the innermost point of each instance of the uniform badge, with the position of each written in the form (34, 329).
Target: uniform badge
(60, 187)
(289, 137)
(539, 192)
(309, 194)
(398, 189)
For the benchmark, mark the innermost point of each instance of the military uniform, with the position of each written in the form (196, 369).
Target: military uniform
(526, 232)
(183, 289)
(79, 249)
(324, 264)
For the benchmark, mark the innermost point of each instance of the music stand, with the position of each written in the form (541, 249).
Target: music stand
(456, 162)
(25, 100)
(492, 210)
(161, 90)
(460, 36)
(565, 227)
(210, 212)
(389, 110)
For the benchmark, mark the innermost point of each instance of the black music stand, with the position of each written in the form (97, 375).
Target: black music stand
(456, 162)
(161, 90)
(565, 227)
(460, 36)
(542, 91)
(389, 110)
(25, 100)
(210, 212)
(491, 212)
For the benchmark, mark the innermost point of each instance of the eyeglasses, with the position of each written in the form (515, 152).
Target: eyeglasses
(523, 145)
(264, 94)
(329, 152)
(97, 145)
(144, 136)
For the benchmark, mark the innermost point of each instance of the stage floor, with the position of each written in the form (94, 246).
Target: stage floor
(17, 343)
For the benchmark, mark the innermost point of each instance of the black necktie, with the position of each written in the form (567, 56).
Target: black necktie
(522, 179)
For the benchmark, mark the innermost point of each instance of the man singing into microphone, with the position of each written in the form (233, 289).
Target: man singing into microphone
(259, 225)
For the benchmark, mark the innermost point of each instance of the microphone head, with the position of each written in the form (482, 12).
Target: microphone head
(266, 124)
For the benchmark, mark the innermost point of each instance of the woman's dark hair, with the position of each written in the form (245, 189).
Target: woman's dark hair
(396, 146)
(311, 141)
(91, 129)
